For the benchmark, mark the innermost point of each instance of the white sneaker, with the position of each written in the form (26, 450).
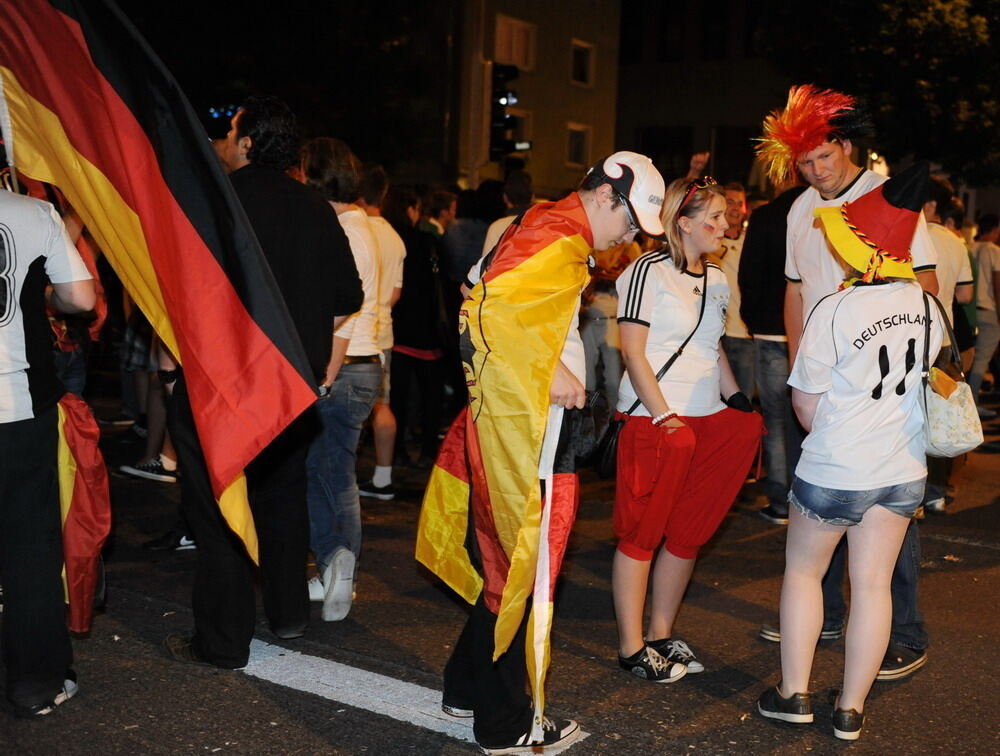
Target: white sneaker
(338, 578)
(316, 589)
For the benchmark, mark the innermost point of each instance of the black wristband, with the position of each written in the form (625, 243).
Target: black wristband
(739, 401)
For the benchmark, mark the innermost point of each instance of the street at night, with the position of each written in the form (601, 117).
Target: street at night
(394, 643)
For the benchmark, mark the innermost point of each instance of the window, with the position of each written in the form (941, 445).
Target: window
(515, 42)
(578, 145)
(582, 63)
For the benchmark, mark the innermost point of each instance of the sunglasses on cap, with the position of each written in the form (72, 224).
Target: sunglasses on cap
(700, 183)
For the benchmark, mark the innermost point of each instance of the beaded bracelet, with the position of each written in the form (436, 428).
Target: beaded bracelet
(660, 419)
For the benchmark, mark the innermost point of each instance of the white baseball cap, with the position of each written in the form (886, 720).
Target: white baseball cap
(638, 182)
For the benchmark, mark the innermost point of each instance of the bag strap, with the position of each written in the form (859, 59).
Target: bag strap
(680, 350)
(925, 373)
(956, 356)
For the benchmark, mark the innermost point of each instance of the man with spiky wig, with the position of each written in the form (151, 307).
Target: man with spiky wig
(814, 135)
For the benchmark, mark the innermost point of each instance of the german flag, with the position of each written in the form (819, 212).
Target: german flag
(506, 457)
(91, 110)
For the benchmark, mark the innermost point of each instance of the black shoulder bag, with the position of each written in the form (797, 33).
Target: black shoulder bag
(606, 456)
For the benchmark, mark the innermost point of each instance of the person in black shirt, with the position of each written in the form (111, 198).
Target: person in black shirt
(312, 265)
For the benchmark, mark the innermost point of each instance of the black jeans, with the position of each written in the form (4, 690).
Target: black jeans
(223, 598)
(427, 376)
(495, 691)
(36, 647)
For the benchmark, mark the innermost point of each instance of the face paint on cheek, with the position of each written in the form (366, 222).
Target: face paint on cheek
(708, 227)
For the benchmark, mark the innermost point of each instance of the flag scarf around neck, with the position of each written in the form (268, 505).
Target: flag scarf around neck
(92, 111)
(500, 455)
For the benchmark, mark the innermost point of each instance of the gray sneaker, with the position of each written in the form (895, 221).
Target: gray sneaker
(338, 579)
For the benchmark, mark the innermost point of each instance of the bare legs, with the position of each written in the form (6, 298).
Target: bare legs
(629, 581)
(873, 548)
(384, 431)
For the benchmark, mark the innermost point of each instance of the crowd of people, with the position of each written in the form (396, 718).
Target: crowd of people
(696, 316)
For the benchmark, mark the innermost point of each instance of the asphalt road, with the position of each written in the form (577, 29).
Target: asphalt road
(133, 699)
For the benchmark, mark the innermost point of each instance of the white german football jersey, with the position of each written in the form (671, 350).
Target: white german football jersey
(654, 293)
(862, 349)
(34, 250)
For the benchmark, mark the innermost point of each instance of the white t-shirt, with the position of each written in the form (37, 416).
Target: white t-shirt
(572, 356)
(654, 293)
(30, 230)
(391, 252)
(987, 256)
(495, 231)
(729, 255)
(811, 260)
(862, 349)
(362, 327)
(953, 268)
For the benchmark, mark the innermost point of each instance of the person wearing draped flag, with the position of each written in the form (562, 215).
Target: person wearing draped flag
(35, 251)
(502, 497)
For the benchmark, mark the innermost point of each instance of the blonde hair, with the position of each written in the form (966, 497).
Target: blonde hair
(673, 212)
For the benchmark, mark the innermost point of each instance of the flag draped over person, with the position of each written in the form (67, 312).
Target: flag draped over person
(506, 455)
(87, 106)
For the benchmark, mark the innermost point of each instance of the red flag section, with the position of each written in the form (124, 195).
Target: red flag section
(93, 112)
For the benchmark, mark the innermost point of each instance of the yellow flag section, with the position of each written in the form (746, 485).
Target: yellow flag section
(517, 322)
(44, 152)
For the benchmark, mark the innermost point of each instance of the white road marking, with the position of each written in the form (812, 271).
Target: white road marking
(406, 702)
(962, 540)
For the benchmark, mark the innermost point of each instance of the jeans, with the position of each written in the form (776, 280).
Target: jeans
(986, 344)
(332, 488)
(847, 507)
(907, 621)
(603, 360)
(740, 353)
(783, 442)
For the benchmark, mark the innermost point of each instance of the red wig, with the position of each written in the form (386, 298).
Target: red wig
(803, 125)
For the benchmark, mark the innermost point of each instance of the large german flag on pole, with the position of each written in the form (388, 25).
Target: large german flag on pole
(94, 112)
(505, 457)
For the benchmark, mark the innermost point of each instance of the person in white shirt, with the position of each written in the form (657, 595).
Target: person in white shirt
(955, 284)
(737, 340)
(812, 136)
(682, 453)
(348, 392)
(391, 252)
(987, 255)
(855, 384)
(35, 252)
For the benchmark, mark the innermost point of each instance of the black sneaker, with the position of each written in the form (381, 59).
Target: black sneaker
(556, 734)
(847, 724)
(900, 662)
(773, 514)
(828, 633)
(68, 690)
(937, 506)
(369, 489)
(650, 665)
(181, 649)
(171, 541)
(796, 709)
(455, 709)
(152, 470)
(677, 651)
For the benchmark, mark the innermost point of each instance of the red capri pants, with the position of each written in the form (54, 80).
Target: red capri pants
(678, 486)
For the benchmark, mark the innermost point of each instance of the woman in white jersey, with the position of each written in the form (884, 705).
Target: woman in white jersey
(683, 453)
(855, 388)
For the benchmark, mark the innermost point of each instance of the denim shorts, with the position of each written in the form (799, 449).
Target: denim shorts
(838, 507)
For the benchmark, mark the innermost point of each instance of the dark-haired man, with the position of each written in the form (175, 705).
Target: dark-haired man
(312, 266)
(813, 136)
(524, 366)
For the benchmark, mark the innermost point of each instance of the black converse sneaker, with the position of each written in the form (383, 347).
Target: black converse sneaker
(796, 709)
(677, 651)
(383, 493)
(649, 664)
(556, 734)
(68, 690)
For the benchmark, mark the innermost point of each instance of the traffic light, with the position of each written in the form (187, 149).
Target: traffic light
(502, 123)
